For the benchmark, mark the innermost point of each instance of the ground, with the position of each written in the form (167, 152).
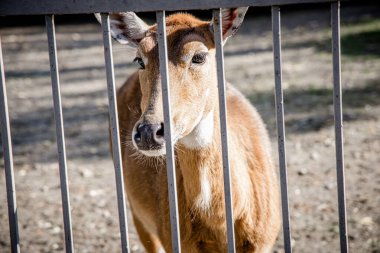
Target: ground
(307, 80)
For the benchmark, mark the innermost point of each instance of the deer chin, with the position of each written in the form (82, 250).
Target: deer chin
(202, 134)
(154, 153)
(151, 152)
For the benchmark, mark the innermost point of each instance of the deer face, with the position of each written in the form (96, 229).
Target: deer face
(192, 77)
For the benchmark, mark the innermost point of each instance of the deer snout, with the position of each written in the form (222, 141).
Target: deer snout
(149, 136)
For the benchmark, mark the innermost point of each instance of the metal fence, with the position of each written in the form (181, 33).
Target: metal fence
(52, 7)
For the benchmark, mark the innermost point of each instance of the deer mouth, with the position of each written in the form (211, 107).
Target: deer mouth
(154, 153)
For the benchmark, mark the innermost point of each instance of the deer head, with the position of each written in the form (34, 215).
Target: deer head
(192, 71)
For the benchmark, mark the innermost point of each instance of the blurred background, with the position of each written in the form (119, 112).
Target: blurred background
(307, 81)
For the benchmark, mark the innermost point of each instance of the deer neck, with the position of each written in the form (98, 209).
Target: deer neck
(199, 157)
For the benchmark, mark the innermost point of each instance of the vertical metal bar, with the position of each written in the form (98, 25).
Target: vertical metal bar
(114, 121)
(335, 25)
(54, 72)
(8, 161)
(276, 28)
(170, 163)
(217, 21)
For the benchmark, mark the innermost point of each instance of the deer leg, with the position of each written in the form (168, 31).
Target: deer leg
(151, 242)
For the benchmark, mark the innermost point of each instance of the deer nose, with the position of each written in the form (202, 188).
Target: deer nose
(149, 136)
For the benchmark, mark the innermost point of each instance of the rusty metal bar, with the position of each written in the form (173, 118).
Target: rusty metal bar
(276, 28)
(8, 161)
(114, 123)
(54, 71)
(170, 163)
(335, 27)
(217, 21)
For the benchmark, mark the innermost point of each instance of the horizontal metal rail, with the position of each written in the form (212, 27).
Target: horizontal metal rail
(217, 21)
(32, 7)
(8, 161)
(279, 99)
(114, 125)
(170, 163)
(50, 28)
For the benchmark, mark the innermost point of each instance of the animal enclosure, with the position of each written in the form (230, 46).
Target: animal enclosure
(55, 8)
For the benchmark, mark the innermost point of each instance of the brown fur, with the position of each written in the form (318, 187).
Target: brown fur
(254, 182)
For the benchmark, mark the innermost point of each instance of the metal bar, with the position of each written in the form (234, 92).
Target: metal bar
(335, 25)
(276, 28)
(43, 7)
(8, 161)
(170, 163)
(114, 122)
(217, 21)
(54, 72)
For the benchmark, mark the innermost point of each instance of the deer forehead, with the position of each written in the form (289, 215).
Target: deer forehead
(180, 47)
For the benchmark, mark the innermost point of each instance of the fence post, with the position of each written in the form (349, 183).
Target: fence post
(8, 161)
(170, 163)
(335, 29)
(279, 97)
(217, 21)
(50, 28)
(114, 125)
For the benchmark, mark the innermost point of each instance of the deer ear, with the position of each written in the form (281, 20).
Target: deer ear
(126, 27)
(231, 21)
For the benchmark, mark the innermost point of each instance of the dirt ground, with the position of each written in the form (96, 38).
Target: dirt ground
(307, 80)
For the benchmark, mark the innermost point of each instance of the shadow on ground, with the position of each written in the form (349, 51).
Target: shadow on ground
(37, 126)
(300, 102)
(364, 43)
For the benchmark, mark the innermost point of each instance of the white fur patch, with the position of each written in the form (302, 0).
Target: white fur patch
(207, 92)
(161, 250)
(158, 152)
(203, 201)
(201, 135)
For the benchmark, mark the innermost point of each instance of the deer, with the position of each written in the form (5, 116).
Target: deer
(196, 138)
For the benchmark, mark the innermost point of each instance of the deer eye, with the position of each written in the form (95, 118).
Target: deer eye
(199, 58)
(140, 62)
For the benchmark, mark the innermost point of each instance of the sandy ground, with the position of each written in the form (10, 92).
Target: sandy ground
(249, 65)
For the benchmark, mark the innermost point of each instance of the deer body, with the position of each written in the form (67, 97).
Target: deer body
(196, 134)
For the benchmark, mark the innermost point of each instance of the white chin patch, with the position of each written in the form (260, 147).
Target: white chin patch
(159, 152)
(201, 136)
